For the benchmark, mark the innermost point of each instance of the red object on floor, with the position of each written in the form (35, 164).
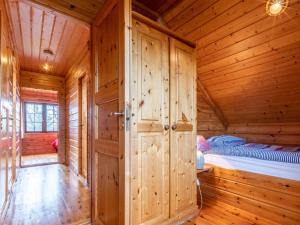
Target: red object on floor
(55, 144)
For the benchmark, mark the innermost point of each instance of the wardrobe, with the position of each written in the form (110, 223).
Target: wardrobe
(163, 127)
(144, 121)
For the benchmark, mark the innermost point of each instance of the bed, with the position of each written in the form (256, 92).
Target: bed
(256, 178)
(234, 153)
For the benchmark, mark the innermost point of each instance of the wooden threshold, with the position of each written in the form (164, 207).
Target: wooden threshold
(39, 164)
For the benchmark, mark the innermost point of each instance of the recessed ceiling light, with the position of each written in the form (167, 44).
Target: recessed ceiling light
(4, 60)
(276, 7)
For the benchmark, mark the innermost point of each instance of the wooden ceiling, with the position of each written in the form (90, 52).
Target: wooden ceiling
(37, 28)
(159, 6)
(248, 61)
(85, 10)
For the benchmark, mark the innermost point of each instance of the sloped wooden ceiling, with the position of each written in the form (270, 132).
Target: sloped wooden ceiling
(159, 6)
(247, 60)
(37, 28)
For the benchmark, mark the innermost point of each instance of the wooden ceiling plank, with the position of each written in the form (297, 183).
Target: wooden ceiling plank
(253, 62)
(258, 50)
(37, 24)
(26, 32)
(165, 5)
(213, 105)
(238, 83)
(16, 23)
(208, 15)
(194, 11)
(175, 11)
(48, 24)
(277, 66)
(63, 45)
(247, 25)
(73, 53)
(256, 40)
(66, 8)
(56, 37)
(231, 14)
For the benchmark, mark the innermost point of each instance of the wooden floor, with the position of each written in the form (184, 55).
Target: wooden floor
(220, 213)
(30, 160)
(48, 195)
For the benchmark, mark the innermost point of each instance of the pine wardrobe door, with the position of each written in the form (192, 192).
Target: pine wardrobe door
(149, 126)
(183, 130)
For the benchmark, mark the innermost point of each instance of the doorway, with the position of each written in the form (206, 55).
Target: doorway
(40, 127)
(83, 124)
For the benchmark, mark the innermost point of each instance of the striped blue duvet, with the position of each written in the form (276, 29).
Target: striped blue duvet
(258, 153)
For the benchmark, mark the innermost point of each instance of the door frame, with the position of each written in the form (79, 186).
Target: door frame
(86, 180)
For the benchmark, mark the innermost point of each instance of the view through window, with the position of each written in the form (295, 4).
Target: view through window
(41, 117)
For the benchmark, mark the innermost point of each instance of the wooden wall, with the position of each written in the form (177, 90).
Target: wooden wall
(207, 119)
(50, 83)
(38, 143)
(79, 69)
(272, 200)
(9, 114)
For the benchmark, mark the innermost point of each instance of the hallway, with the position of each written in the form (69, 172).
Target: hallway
(50, 195)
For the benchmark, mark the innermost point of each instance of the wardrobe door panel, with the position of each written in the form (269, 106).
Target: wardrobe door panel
(183, 124)
(149, 126)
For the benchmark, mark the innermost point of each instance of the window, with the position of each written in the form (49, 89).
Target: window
(40, 117)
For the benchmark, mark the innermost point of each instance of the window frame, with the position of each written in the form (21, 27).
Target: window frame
(44, 117)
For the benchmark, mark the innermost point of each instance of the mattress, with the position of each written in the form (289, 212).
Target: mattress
(256, 152)
(277, 169)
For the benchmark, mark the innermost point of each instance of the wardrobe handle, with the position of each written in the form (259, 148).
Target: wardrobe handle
(174, 127)
(166, 127)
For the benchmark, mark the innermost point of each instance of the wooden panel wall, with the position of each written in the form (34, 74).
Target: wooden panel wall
(247, 60)
(52, 83)
(272, 200)
(9, 84)
(79, 69)
(207, 120)
(38, 95)
(38, 143)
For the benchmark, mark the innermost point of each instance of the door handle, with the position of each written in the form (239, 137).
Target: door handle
(174, 127)
(116, 114)
(166, 127)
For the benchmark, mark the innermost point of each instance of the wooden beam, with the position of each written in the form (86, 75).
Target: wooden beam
(214, 106)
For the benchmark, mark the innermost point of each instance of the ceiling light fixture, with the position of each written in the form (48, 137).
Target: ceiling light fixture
(276, 7)
(46, 67)
(48, 51)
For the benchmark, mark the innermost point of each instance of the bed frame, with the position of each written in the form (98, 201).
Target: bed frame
(267, 197)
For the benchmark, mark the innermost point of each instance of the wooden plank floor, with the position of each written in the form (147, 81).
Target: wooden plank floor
(48, 195)
(220, 213)
(29, 160)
